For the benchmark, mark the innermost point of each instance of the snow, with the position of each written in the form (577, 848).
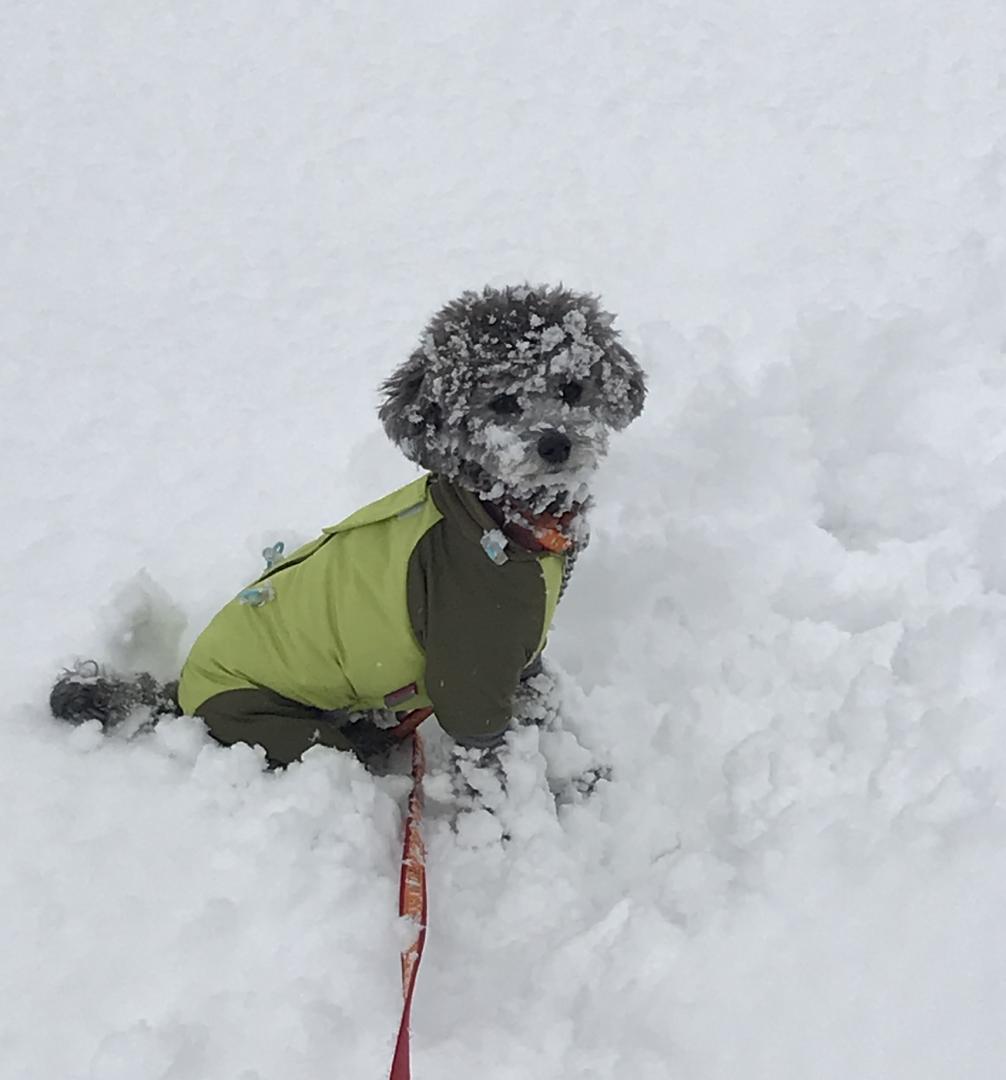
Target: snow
(223, 229)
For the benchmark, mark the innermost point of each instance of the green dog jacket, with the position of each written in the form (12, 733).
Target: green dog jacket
(398, 606)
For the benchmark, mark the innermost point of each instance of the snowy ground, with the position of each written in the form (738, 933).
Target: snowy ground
(222, 227)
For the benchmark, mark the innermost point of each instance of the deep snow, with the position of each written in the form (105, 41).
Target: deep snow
(222, 228)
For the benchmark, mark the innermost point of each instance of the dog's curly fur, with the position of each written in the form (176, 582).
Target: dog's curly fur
(501, 381)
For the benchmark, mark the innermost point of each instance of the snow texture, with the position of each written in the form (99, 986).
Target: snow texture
(224, 227)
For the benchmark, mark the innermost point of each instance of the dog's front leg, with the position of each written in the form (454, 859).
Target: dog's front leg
(573, 771)
(501, 792)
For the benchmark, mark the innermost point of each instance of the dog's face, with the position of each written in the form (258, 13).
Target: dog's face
(513, 393)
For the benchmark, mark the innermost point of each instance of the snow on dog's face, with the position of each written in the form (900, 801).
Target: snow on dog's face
(512, 394)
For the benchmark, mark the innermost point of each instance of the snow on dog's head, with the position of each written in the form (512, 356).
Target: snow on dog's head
(512, 393)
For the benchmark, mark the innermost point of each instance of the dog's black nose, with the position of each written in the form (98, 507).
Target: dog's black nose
(554, 447)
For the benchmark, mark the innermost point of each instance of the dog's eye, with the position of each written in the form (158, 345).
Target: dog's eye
(505, 405)
(571, 392)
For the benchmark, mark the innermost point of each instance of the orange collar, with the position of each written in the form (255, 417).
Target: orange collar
(534, 532)
(547, 530)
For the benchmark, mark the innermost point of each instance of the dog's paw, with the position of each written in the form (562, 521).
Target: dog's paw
(536, 701)
(502, 791)
(478, 778)
(581, 786)
(574, 771)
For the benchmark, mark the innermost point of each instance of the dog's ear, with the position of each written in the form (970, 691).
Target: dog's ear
(633, 380)
(398, 412)
(406, 412)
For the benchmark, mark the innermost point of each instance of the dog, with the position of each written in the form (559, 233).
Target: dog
(440, 595)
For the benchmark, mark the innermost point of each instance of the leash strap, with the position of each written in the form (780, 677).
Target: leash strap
(411, 903)
(409, 722)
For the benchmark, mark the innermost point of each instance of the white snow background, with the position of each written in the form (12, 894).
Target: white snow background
(221, 227)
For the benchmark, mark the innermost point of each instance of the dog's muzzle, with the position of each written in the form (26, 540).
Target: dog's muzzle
(554, 447)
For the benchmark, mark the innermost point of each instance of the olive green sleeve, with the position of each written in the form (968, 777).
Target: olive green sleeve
(479, 625)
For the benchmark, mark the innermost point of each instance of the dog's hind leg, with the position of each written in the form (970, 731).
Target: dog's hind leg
(89, 692)
(284, 728)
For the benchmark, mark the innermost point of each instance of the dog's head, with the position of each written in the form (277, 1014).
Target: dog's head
(512, 393)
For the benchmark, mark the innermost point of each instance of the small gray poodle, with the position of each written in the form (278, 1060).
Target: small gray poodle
(439, 595)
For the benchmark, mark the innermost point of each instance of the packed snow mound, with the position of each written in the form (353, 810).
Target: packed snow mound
(799, 677)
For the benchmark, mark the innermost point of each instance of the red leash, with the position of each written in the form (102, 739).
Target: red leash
(411, 889)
